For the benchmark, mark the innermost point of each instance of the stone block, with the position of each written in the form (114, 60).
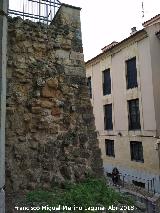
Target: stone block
(52, 83)
(77, 56)
(48, 92)
(75, 71)
(66, 44)
(46, 104)
(36, 110)
(56, 111)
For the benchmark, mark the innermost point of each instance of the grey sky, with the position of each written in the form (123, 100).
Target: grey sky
(105, 21)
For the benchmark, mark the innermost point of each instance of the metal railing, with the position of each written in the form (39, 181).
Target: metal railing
(137, 193)
(125, 179)
(149, 182)
(34, 10)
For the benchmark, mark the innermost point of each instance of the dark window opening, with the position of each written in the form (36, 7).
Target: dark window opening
(106, 82)
(136, 150)
(108, 125)
(109, 145)
(139, 184)
(134, 115)
(89, 84)
(131, 75)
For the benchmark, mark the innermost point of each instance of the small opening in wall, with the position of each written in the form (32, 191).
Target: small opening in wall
(139, 184)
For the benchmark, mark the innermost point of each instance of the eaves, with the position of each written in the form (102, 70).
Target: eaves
(138, 36)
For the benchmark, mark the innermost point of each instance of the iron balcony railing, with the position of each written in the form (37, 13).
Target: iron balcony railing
(34, 10)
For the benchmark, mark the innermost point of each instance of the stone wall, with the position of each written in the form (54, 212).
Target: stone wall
(50, 126)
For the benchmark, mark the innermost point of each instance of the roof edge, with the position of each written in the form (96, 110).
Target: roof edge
(118, 44)
(151, 21)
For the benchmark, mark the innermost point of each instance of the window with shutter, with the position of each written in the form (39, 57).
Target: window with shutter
(134, 114)
(136, 149)
(131, 75)
(106, 82)
(109, 145)
(108, 125)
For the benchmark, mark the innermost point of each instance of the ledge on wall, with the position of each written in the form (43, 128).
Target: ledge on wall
(71, 6)
(62, 9)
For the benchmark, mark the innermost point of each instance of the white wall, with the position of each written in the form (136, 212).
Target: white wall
(149, 100)
(155, 63)
(120, 94)
(146, 85)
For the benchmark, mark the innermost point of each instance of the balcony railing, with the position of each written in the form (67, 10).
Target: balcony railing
(34, 10)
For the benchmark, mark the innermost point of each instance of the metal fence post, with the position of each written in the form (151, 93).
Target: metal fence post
(123, 180)
(3, 62)
(148, 185)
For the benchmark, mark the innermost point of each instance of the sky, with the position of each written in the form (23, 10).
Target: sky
(104, 21)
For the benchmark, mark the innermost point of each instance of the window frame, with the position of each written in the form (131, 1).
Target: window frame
(136, 151)
(134, 115)
(108, 120)
(106, 82)
(109, 148)
(131, 74)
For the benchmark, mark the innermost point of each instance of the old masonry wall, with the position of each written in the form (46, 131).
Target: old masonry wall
(50, 130)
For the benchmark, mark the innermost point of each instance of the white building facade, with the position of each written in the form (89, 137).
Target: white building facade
(124, 83)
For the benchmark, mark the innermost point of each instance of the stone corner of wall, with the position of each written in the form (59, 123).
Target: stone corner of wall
(65, 13)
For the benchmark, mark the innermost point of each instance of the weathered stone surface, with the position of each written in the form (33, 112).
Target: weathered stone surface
(52, 83)
(56, 111)
(50, 127)
(49, 92)
(46, 104)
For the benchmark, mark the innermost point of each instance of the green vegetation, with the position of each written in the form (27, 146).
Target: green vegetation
(90, 193)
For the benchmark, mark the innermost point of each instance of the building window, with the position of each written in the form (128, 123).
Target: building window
(134, 115)
(89, 84)
(136, 149)
(139, 184)
(109, 144)
(106, 82)
(108, 125)
(131, 75)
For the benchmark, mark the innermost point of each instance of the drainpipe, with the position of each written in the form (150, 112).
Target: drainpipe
(3, 61)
